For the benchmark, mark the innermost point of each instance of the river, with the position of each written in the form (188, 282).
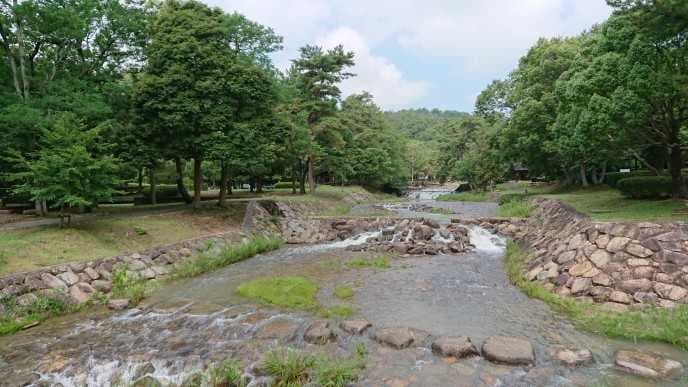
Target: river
(190, 324)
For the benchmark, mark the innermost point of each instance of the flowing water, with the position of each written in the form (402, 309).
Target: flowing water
(190, 324)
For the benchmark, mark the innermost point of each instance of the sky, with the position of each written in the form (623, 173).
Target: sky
(429, 53)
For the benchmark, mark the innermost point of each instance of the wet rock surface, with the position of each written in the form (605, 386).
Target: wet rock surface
(647, 364)
(509, 350)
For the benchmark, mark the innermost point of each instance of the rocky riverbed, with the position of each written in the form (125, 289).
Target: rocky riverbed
(442, 319)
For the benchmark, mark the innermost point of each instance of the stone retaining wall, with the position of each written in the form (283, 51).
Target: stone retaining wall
(619, 264)
(80, 280)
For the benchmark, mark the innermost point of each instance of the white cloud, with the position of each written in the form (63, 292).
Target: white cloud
(481, 38)
(374, 74)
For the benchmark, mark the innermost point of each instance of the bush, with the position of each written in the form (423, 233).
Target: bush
(282, 185)
(646, 187)
(612, 179)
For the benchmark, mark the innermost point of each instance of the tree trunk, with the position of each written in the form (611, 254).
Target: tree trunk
(603, 172)
(302, 178)
(311, 174)
(198, 181)
(645, 162)
(293, 180)
(259, 184)
(181, 188)
(223, 184)
(584, 179)
(140, 180)
(230, 181)
(593, 175)
(676, 163)
(153, 187)
(20, 53)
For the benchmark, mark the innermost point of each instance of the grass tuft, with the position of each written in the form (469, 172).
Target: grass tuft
(515, 209)
(291, 367)
(343, 292)
(337, 312)
(289, 292)
(382, 262)
(17, 317)
(656, 324)
(229, 255)
(226, 373)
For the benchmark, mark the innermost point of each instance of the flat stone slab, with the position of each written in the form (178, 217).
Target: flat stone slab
(647, 365)
(355, 326)
(319, 332)
(398, 338)
(456, 346)
(118, 304)
(278, 328)
(508, 350)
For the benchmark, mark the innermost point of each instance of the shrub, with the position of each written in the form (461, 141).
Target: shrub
(646, 187)
(612, 179)
(282, 185)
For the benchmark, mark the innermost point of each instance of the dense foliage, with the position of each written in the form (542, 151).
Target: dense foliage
(575, 108)
(95, 95)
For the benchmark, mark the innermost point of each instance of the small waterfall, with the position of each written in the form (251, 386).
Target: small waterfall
(485, 241)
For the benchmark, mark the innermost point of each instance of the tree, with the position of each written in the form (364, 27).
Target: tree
(70, 170)
(317, 74)
(183, 94)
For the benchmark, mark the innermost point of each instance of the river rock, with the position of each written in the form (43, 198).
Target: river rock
(355, 326)
(646, 364)
(398, 338)
(580, 286)
(580, 268)
(617, 244)
(600, 258)
(508, 350)
(566, 256)
(278, 328)
(53, 282)
(118, 304)
(26, 299)
(670, 292)
(602, 241)
(620, 297)
(458, 347)
(638, 250)
(81, 292)
(635, 285)
(319, 332)
(69, 278)
(573, 357)
(602, 279)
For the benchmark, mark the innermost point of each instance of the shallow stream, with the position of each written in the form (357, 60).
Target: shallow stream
(189, 324)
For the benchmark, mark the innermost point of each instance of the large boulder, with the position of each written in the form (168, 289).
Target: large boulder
(397, 338)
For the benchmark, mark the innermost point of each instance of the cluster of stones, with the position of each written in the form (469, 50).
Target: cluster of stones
(419, 237)
(77, 282)
(622, 265)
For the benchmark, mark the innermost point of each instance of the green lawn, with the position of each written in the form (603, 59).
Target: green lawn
(331, 200)
(31, 249)
(607, 204)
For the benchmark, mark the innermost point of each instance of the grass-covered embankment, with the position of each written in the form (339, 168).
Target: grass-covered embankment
(109, 235)
(470, 196)
(654, 324)
(18, 317)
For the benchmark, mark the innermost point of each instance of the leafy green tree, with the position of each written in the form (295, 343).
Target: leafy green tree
(183, 94)
(70, 169)
(317, 74)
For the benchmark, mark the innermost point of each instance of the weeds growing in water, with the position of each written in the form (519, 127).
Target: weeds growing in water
(226, 373)
(227, 256)
(656, 324)
(337, 312)
(126, 286)
(17, 317)
(343, 292)
(289, 292)
(291, 367)
(382, 262)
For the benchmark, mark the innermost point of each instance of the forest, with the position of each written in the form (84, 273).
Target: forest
(103, 96)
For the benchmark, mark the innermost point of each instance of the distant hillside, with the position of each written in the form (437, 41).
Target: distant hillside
(424, 124)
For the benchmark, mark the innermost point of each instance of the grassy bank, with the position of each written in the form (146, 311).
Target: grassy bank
(18, 317)
(331, 200)
(472, 196)
(32, 249)
(656, 324)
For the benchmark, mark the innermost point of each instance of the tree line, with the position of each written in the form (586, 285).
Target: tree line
(576, 108)
(97, 92)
